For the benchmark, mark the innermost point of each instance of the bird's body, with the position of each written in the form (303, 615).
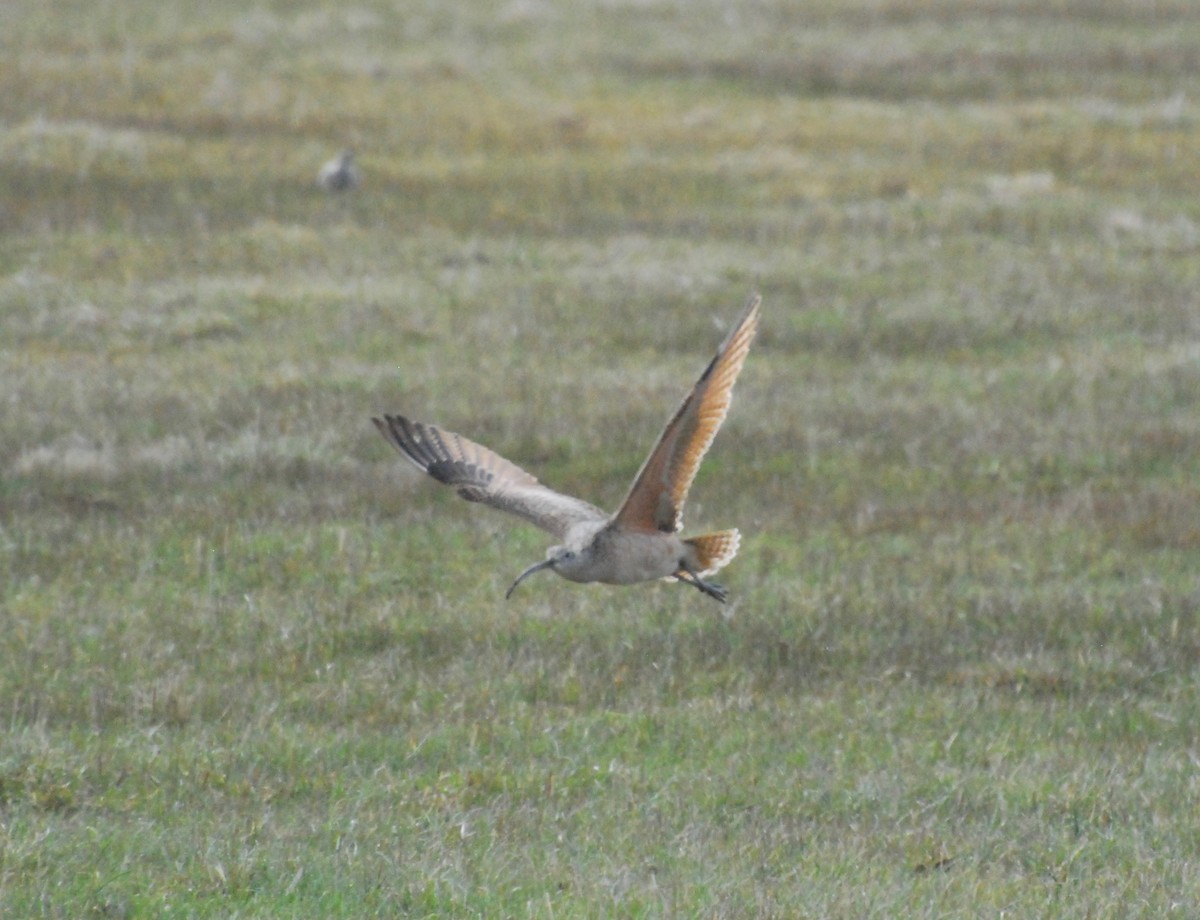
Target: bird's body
(617, 556)
(339, 174)
(640, 541)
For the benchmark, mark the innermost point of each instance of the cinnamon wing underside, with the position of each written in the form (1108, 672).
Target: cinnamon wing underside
(656, 498)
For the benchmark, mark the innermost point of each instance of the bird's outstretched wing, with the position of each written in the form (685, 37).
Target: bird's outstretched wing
(655, 500)
(482, 475)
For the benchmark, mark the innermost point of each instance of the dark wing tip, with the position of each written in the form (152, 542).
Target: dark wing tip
(412, 439)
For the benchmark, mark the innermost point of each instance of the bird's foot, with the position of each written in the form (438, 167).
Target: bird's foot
(712, 589)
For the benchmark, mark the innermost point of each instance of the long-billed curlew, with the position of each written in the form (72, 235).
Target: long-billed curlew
(638, 543)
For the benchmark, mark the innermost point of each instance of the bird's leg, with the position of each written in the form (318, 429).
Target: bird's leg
(712, 589)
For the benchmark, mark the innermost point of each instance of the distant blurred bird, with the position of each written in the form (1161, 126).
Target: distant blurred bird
(339, 174)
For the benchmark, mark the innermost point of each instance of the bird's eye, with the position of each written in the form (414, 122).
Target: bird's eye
(568, 555)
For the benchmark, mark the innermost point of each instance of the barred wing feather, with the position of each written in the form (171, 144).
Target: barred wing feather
(482, 475)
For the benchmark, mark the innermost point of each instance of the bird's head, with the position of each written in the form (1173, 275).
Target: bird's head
(562, 559)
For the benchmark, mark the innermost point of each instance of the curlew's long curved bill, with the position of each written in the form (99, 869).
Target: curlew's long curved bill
(482, 475)
(536, 567)
(655, 500)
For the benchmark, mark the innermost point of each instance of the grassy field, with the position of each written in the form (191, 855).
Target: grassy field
(252, 666)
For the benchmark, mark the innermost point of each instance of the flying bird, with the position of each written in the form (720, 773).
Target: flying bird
(639, 542)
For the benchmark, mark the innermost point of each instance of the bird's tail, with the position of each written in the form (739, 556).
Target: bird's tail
(714, 551)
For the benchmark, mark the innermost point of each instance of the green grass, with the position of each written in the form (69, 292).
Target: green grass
(253, 666)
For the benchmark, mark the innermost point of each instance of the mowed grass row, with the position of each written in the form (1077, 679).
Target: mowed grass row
(252, 666)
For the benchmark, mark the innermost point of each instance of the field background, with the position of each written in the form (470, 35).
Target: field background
(252, 666)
